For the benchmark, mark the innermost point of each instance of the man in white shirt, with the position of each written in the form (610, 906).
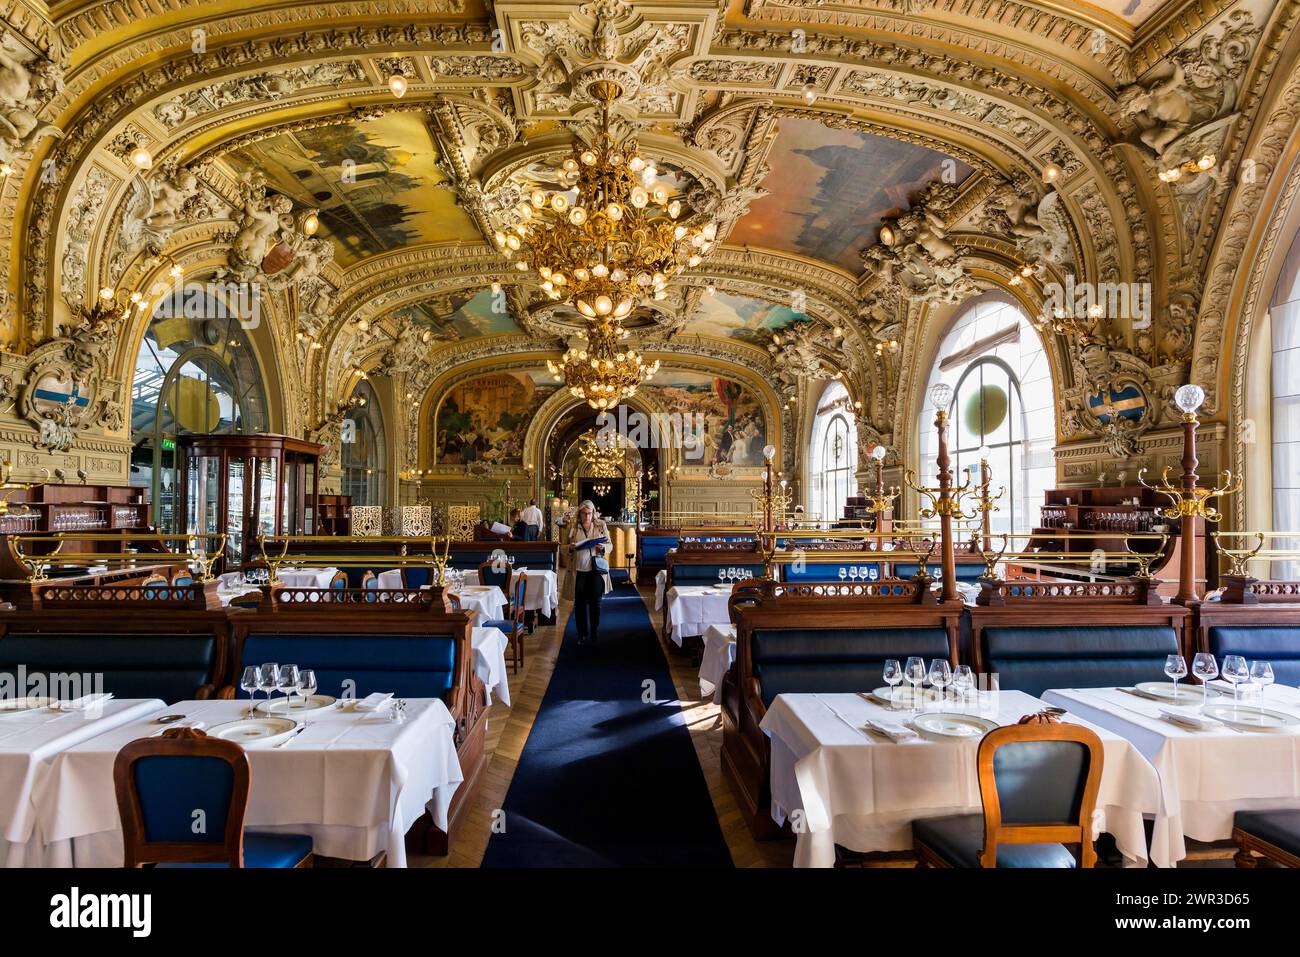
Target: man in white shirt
(531, 516)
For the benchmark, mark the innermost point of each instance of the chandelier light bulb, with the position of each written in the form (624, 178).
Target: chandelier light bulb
(660, 194)
(639, 197)
(570, 165)
(588, 158)
(577, 215)
(600, 270)
(538, 199)
(810, 93)
(636, 164)
(614, 211)
(887, 235)
(559, 202)
(141, 158)
(397, 84)
(674, 209)
(1051, 173)
(310, 224)
(879, 453)
(604, 305)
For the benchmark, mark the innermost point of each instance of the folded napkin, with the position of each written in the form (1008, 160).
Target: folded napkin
(375, 702)
(1189, 720)
(892, 730)
(86, 702)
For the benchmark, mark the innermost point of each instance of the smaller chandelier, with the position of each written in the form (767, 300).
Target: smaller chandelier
(606, 371)
(605, 459)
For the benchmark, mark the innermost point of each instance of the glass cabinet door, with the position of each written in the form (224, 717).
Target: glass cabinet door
(309, 499)
(266, 489)
(236, 512)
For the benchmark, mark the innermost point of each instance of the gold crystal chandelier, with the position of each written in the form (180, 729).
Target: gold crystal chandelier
(607, 370)
(604, 458)
(619, 241)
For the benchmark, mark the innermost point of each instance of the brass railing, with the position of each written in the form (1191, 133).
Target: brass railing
(202, 558)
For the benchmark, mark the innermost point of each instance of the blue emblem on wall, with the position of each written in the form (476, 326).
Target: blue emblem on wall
(1125, 402)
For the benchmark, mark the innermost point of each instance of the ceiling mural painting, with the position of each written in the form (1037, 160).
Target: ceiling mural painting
(374, 183)
(471, 316)
(830, 188)
(723, 315)
(727, 417)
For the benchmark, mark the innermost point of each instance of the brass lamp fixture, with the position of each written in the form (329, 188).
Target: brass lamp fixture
(1063, 322)
(619, 241)
(882, 501)
(773, 498)
(944, 498)
(1188, 501)
(607, 371)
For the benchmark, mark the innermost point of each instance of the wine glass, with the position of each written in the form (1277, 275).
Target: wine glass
(963, 681)
(286, 682)
(1235, 672)
(914, 672)
(844, 573)
(248, 684)
(866, 573)
(722, 576)
(1261, 675)
(306, 682)
(940, 676)
(893, 676)
(1207, 669)
(853, 574)
(1175, 668)
(267, 675)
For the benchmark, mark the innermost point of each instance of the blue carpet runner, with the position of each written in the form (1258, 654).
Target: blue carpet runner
(607, 779)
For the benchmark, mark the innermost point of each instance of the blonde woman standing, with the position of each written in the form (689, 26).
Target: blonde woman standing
(590, 580)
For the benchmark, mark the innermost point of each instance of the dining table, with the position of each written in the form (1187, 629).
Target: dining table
(693, 608)
(307, 577)
(719, 653)
(837, 782)
(490, 662)
(1206, 774)
(355, 781)
(30, 739)
(541, 588)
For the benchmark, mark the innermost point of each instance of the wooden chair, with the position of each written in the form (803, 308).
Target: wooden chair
(163, 782)
(1038, 785)
(370, 585)
(515, 626)
(492, 573)
(1273, 835)
(156, 587)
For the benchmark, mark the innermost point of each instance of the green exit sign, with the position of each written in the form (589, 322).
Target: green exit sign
(169, 445)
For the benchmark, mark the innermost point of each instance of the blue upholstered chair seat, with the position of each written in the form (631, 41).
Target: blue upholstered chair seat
(832, 660)
(267, 850)
(1279, 645)
(1279, 828)
(496, 623)
(1035, 659)
(171, 667)
(959, 839)
(415, 666)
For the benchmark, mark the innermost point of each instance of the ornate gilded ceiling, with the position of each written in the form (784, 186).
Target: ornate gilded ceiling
(802, 126)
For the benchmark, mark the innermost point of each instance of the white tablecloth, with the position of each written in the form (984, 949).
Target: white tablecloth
(693, 608)
(661, 582)
(354, 781)
(488, 602)
(541, 592)
(1205, 776)
(490, 661)
(308, 577)
(226, 596)
(862, 792)
(719, 653)
(28, 743)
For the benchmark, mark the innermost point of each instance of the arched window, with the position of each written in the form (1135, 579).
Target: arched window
(195, 373)
(1284, 322)
(1002, 400)
(833, 455)
(364, 450)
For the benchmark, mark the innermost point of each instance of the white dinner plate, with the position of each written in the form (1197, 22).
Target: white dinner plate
(1251, 718)
(952, 725)
(311, 705)
(255, 732)
(24, 705)
(1190, 695)
(905, 696)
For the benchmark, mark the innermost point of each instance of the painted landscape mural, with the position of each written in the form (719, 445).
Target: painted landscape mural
(741, 317)
(485, 419)
(833, 188)
(735, 429)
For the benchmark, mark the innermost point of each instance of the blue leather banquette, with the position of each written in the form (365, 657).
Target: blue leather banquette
(1278, 644)
(830, 660)
(179, 657)
(826, 571)
(704, 573)
(966, 571)
(1034, 658)
(408, 665)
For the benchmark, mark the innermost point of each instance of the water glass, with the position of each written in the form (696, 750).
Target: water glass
(1235, 672)
(940, 676)
(267, 676)
(248, 685)
(286, 682)
(893, 676)
(914, 672)
(1261, 676)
